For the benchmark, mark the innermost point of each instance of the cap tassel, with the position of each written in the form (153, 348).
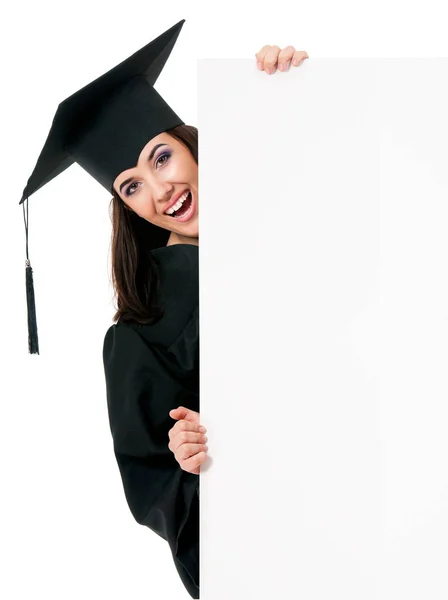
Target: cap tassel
(33, 341)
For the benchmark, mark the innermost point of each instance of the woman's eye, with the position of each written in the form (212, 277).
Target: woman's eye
(130, 190)
(160, 158)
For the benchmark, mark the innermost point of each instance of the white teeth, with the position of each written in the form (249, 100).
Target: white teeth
(178, 204)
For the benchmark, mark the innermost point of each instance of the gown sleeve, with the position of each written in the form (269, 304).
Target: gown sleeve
(143, 383)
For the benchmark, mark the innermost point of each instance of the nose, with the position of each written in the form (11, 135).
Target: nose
(161, 191)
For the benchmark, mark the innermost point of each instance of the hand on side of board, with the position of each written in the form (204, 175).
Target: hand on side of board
(187, 439)
(269, 56)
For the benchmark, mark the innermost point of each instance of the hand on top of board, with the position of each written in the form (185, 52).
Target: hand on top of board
(269, 56)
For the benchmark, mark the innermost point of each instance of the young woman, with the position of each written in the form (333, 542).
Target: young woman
(152, 362)
(120, 130)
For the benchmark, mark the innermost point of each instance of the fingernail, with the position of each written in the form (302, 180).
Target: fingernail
(295, 62)
(281, 66)
(259, 64)
(202, 429)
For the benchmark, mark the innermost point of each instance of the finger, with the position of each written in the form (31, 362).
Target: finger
(186, 451)
(299, 57)
(285, 57)
(270, 59)
(185, 413)
(185, 426)
(260, 57)
(193, 463)
(186, 437)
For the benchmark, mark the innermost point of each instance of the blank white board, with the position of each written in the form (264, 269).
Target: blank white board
(324, 329)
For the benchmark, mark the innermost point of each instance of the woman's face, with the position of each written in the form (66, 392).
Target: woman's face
(164, 171)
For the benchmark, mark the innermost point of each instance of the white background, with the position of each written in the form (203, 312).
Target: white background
(65, 526)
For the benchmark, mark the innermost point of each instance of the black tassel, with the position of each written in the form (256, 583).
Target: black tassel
(33, 340)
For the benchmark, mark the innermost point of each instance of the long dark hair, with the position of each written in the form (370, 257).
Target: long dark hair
(135, 275)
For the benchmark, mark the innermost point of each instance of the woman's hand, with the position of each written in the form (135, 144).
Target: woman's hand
(268, 57)
(187, 439)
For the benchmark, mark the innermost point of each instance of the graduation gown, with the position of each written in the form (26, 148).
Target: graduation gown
(150, 370)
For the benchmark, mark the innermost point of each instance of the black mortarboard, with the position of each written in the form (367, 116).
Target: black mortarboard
(103, 127)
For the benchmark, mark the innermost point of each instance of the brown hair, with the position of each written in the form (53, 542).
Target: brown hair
(135, 276)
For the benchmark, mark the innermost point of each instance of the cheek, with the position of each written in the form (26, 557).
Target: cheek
(144, 207)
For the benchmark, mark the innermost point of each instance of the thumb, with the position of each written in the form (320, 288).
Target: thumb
(184, 413)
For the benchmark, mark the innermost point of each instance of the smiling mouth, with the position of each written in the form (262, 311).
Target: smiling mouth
(184, 209)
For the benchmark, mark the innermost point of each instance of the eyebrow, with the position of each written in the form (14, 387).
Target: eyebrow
(151, 154)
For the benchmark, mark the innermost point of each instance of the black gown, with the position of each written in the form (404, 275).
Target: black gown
(150, 370)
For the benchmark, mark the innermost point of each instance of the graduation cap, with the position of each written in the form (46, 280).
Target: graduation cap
(103, 127)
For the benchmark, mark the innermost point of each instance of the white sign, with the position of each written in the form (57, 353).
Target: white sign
(324, 328)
